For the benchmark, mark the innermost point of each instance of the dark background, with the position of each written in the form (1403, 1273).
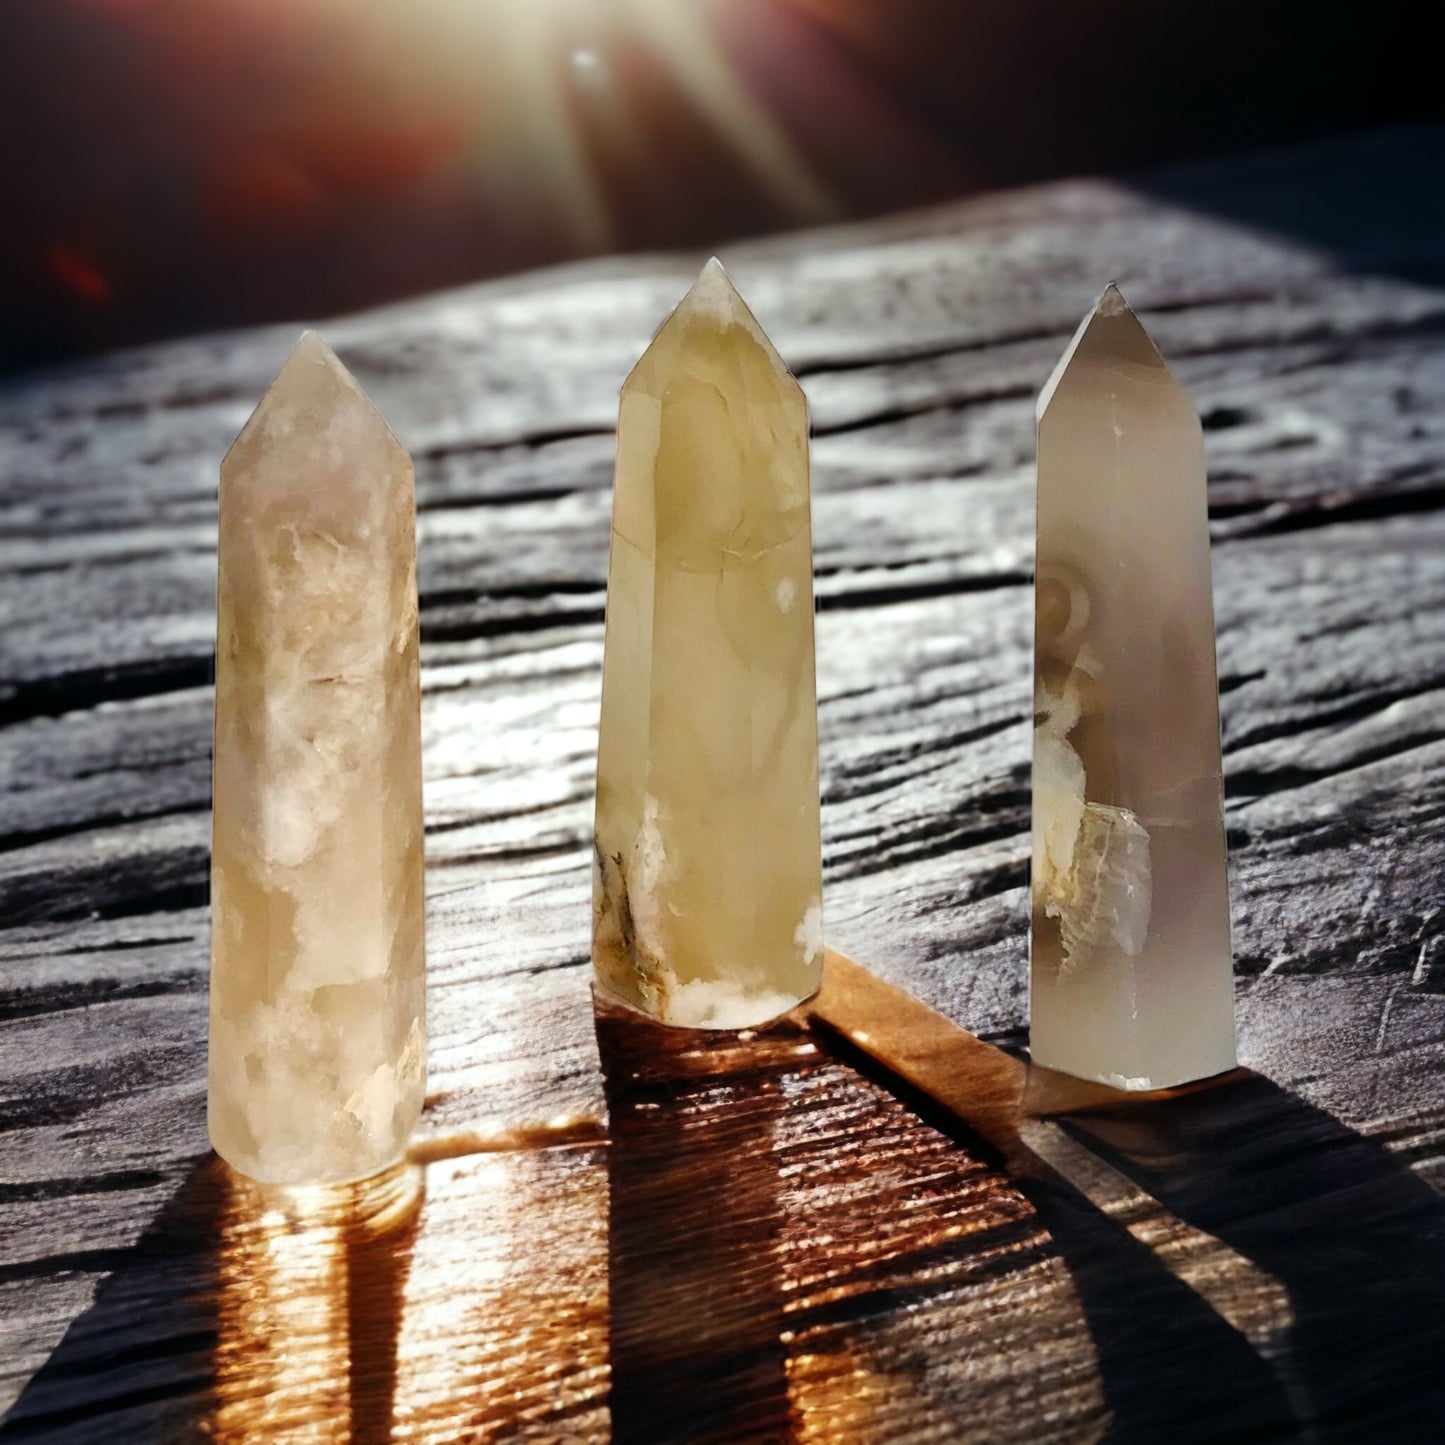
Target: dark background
(172, 165)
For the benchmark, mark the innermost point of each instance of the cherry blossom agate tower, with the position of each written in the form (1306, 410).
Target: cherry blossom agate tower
(317, 1059)
(1131, 979)
(708, 874)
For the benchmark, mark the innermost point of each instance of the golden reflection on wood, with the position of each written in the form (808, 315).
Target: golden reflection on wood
(870, 1382)
(504, 1330)
(462, 1299)
(990, 1091)
(783, 1232)
(763, 1244)
(498, 1137)
(694, 1283)
(308, 1292)
(914, 1219)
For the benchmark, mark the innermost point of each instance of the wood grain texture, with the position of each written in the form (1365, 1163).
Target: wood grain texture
(899, 1282)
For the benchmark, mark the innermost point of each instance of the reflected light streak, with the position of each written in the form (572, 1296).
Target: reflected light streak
(538, 115)
(503, 1330)
(285, 1264)
(498, 1136)
(463, 1298)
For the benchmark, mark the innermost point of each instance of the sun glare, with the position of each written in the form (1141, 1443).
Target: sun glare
(558, 93)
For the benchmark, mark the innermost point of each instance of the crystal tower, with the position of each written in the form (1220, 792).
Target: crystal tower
(1131, 978)
(317, 1057)
(708, 878)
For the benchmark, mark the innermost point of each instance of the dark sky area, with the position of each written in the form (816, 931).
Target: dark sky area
(173, 165)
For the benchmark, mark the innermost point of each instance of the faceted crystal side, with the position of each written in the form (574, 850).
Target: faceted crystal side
(317, 1046)
(1131, 978)
(707, 896)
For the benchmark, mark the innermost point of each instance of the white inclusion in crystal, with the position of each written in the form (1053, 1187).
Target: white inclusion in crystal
(373, 1103)
(1093, 868)
(644, 874)
(1112, 889)
(715, 1003)
(784, 594)
(410, 1068)
(709, 1003)
(808, 936)
(1058, 791)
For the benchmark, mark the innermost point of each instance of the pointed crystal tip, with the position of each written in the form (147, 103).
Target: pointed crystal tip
(714, 294)
(1111, 301)
(309, 353)
(1111, 328)
(311, 347)
(312, 385)
(711, 303)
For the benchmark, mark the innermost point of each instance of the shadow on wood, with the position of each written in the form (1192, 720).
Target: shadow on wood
(142, 1354)
(1161, 1349)
(1354, 1238)
(694, 1279)
(1171, 1362)
(245, 1307)
(1251, 1268)
(1370, 201)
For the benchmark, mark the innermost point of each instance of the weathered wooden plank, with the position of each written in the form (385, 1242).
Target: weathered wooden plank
(908, 1283)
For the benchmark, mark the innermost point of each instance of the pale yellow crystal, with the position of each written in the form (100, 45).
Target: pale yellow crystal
(1131, 980)
(708, 878)
(317, 1049)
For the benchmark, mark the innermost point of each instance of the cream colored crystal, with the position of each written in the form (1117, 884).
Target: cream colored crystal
(317, 1058)
(707, 892)
(1131, 980)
